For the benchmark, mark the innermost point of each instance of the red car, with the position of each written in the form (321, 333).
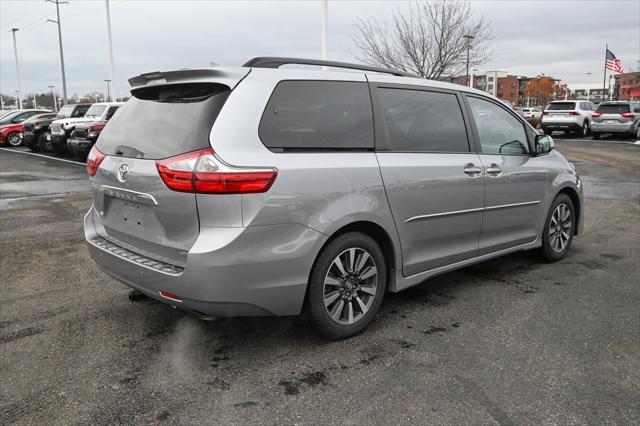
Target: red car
(11, 125)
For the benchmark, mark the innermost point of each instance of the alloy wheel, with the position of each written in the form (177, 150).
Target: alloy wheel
(585, 129)
(14, 139)
(350, 286)
(560, 228)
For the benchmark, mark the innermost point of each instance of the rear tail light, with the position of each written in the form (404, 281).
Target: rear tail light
(203, 172)
(574, 113)
(627, 114)
(545, 113)
(93, 160)
(596, 115)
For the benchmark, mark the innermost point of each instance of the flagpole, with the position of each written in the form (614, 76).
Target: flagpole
(604, 79)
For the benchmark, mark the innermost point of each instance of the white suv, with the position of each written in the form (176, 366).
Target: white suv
(568, 116)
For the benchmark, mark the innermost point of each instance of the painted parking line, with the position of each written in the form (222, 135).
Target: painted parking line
(43, 156)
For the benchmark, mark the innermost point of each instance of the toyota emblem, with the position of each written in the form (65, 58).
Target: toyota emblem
(123, 172)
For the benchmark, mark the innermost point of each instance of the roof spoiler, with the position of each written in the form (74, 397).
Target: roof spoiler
(227, 76)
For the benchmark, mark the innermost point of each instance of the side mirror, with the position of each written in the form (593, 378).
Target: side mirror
(544, 144)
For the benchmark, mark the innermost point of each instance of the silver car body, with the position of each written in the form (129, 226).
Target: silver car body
(617, 117)
(251, 254)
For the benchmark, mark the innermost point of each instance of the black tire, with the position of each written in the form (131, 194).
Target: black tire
(595, 135)
(554, 233)
(13, 139)
(586, 129)
(34, 144)
(45, 145)
(325, 268)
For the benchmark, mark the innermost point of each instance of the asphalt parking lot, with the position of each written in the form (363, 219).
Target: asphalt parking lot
(510, 341)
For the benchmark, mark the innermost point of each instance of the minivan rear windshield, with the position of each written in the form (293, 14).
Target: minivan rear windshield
(613, 108)
(561, 106)
(164, 121)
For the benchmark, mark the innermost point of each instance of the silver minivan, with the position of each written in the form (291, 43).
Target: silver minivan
(261, 190)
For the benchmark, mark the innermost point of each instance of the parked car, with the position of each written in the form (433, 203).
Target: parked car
(61, 129)
(532, 113)
(621, 117)
(568, 116)
(11, 125)
(30, 122)
(83, 138)
(259, 191)
(37, 135)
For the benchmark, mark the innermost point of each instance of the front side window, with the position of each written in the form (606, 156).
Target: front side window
(499, 131)
(80, 110)
(318, 115)
(422, 121)
(95, 110)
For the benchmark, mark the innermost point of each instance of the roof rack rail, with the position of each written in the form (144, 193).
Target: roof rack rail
(277, 62)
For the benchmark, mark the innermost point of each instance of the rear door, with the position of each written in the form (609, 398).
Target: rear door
(433, 180)
(136, 210)
(515, 183)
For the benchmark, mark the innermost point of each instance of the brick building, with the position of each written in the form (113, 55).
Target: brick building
(627, 86)
(507, 88)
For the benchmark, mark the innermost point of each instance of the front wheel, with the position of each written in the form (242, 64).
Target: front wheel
(13, 139)
(347, 285)
(559, 229)
(46, 142)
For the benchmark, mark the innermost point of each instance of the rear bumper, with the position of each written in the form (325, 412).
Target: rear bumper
(252, 271)
(613, 128)
(558, 125)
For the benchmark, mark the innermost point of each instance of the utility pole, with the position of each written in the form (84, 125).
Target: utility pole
(109, 98)
(15, 51)
(469, 37)
(111, 67)
(53, 96)
(64, 79)
(325, 18)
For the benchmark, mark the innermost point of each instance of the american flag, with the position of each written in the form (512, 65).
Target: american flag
(613, 63)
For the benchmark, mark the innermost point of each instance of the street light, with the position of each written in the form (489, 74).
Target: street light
(15, 51)
(469, 37)
(588, 86)
(55, 101)
(108, 97)
(64, 79)
(111, 67)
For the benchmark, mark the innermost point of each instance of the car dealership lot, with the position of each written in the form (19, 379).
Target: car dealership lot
(507, 341)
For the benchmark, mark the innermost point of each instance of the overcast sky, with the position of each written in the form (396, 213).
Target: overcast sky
(564, 39)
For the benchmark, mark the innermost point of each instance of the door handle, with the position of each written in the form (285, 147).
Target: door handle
(494, 169)
(472, 170)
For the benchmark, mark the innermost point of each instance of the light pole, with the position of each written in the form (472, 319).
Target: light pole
(588, 86)
(325, 18)
(111, 66)
(15, 51)
(108, 97)
(469, 37)
(53, 96)
(64, 79)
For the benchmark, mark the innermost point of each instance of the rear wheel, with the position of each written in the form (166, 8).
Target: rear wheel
(13, 139)
(347, 285)
(559, 228)
(585, 128)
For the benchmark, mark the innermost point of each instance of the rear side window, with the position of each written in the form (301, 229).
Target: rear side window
(160, 122)
(613, 108)
(422, 121)
(561, 106)
(318, 115)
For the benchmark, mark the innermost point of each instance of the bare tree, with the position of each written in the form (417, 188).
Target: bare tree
(428, 40)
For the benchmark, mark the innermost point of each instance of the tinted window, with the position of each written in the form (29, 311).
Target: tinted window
(421, 121)
(499, 131)
(112, 110)
(318, 115)
(167, 122)
(80, 110)
(613, 108)
(561, 106)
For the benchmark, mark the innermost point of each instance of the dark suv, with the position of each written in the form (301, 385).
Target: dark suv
(36, 133)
